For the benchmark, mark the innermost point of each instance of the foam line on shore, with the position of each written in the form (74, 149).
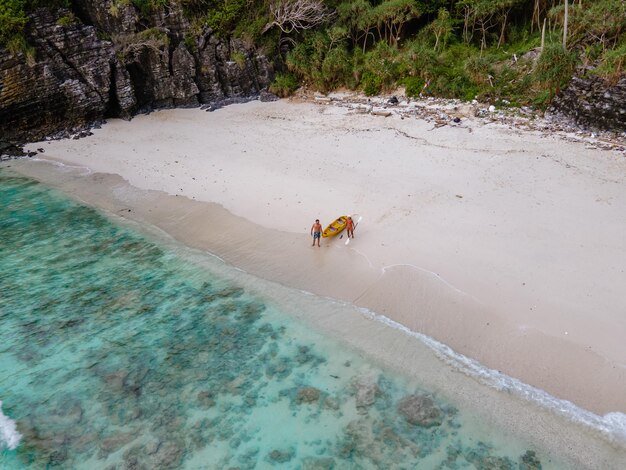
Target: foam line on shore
(385, 268)
(85, 169)
(612, 425)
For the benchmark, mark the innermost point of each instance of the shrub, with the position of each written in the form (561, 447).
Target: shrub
(224, 17)
(613, 64)
(12, 20)
(419, 58)
(321, 60)
(17, 44)
(190, 41)
(554, 67)
(372, 83)
(478, 68)
(148, 6)
(239, 58)
(336, 67)
(154, 34)
(413, 86)
(382, 67)
(67, 20)
(306, 59)
(284, 85)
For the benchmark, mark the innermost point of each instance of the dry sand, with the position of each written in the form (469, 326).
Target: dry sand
(507, 245)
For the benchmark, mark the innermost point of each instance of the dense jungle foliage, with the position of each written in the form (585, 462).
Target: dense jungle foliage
(505, 51)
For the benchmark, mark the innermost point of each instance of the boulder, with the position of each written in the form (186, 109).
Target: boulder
(592, 102)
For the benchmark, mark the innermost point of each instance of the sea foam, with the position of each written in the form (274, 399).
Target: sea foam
(9, 437)
(612, 425)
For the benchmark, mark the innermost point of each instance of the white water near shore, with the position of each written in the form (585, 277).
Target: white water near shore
(9, 437)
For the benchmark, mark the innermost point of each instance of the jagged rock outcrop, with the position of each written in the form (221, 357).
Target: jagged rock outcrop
(593, 103)
(110, 61)
(66, 83)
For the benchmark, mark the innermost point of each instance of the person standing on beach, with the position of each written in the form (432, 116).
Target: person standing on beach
(316, 232)
(350, 227)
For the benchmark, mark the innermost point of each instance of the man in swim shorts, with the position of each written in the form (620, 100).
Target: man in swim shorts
(316, 232)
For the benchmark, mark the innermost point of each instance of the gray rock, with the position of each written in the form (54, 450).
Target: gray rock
(593, 103)
(420, 410)
(366, 390)
(307, 395)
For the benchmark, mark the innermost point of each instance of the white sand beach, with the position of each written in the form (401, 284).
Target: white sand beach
(507, 245)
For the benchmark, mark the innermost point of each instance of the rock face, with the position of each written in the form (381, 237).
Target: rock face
(594, 103)
(110, 61)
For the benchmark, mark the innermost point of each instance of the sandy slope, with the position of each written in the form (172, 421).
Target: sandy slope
(508, 245)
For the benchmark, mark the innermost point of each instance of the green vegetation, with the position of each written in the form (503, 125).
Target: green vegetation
(504, 51)
(485, 49)
(66, 20)
(284, 85)
(12, 21)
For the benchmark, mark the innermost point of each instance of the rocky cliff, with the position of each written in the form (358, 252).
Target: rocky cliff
(107, 60)
(593, 103)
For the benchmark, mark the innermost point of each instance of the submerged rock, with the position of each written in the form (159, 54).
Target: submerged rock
(367, 390)
(420, 410)
(307, 395)
(529, 461)
(281, 456)
(114, 443)
(323, 463)
(168, 455)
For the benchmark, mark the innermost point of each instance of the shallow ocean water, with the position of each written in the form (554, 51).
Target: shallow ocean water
(117, 352)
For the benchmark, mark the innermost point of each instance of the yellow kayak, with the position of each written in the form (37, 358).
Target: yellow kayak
(337, 226)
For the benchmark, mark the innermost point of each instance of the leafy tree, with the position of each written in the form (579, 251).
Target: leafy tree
(442, 27)
(421, 60)
(600, 21)
(392, 15)
(485, 16)
(357, 17)
(385, 63)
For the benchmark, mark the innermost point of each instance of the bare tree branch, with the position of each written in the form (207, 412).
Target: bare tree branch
(296, 15)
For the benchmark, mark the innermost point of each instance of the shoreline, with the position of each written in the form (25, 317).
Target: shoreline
(438, 292)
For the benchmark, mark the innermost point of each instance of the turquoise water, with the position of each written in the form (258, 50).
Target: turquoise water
(117, 353)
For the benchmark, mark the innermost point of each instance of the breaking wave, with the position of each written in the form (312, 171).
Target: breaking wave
(9, 437)
(612, 425)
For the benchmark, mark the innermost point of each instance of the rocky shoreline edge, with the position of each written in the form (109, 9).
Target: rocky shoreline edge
(442, 112)
(438, 111)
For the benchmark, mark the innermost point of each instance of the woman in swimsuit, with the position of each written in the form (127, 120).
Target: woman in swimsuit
(350, 227)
